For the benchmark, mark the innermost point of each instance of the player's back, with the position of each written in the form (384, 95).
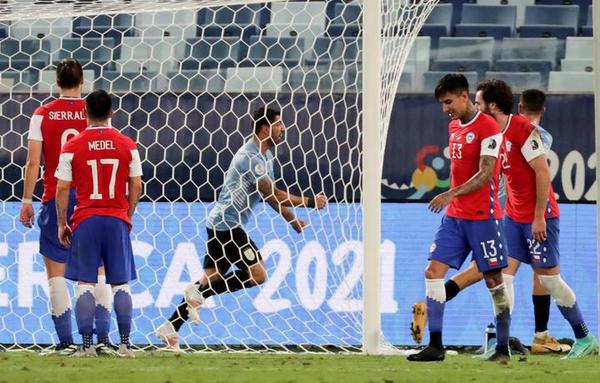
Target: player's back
(468, 142)
(101, 161)
(54, 124)
(523, 143)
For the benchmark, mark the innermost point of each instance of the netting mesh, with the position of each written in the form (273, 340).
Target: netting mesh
(185, 81)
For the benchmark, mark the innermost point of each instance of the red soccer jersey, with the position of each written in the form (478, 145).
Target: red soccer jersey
(468, 142)
(522, 143)
(98, 163)
(54, 124)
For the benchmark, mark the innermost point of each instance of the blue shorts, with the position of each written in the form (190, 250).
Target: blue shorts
(523, 248)
(456, 238)
(101, 240)
(49, 245)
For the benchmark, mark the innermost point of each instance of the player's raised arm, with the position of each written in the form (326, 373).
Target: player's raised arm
(274, 195)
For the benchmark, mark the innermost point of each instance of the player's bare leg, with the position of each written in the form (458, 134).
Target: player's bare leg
(566, 301)
(436, 299)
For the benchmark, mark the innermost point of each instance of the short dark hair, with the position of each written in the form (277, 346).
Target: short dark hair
(264, 116)
(98, 105)
(533, 100)
(69, 73)
(499, 92)
(451, 83)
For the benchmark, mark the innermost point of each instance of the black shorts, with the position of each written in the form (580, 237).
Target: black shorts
(230, 247)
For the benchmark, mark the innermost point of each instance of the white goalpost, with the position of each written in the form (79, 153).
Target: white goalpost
(185, 76)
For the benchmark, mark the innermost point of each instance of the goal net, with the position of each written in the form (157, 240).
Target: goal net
(185, 77)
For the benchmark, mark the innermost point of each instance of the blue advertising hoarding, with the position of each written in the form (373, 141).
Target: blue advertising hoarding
(314, 289)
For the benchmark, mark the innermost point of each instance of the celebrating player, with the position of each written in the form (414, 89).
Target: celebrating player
(472, 220)
(249, 177)
(531, 223)
(531, 106)
(101, 164)
(50, 127)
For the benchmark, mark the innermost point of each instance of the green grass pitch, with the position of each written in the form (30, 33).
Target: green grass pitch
(235, 367)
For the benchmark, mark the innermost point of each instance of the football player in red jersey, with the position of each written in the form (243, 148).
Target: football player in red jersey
(532, 107)
(472, 222)
(51, 126)
(102, 165)
(532, 216)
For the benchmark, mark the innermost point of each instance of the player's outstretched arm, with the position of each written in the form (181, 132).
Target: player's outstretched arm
(62, 202)
(542, 188)
(135, 191)
(32, 172)
(280, 201)
(486, 167)
(272, 194)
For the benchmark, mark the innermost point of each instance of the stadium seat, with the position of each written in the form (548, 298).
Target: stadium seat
(550, 21)
(542, 67)
(311, 80)
(274, 51)
(346, 21)
(6, 84)
(254, 14)
(519, 4)
(457, 8)
(23, 80)
(47, 83)
(93, 53)
(2, 33)
(579, 48)
(40, 29)
(124, 82)
(583, 7)
(213, 52)
(115, 26)
(333, 52)
(438, 24)
(571, 82)
(22, 64)
(577, 65)
(487, 20)
(307, 32)
(254, 79)
(462, 65)
(290, 14)
(28, 49)
(206, 80)
(430, 79)
(587, 28)
(180, 24)
(418, 60)
(150, 54)
(518, 81)
(547, 49)
(474, 48)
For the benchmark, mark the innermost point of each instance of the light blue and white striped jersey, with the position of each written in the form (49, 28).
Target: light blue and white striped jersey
(240, 192)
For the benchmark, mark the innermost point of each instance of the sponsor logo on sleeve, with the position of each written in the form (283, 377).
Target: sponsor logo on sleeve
(492, 144)
(535, 145)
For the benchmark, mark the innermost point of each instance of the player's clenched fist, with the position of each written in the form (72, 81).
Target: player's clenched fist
(320, 201)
